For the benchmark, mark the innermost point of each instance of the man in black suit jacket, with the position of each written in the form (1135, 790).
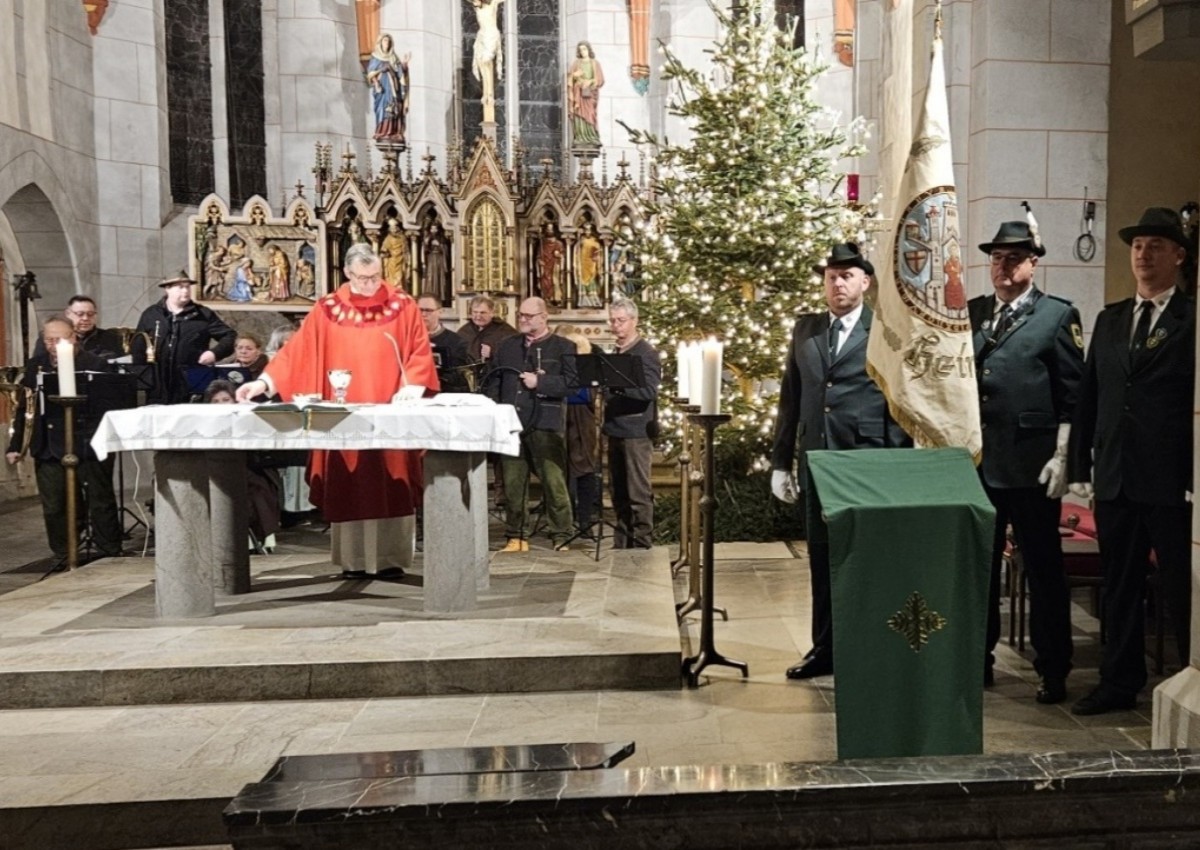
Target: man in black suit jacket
(827, 401)
(47, 446)
(1028, 361)
(1131, 443)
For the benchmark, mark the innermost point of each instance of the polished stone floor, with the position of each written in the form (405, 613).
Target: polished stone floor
(155, 752)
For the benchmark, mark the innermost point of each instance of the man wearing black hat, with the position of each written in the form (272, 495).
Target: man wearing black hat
(183, 335)
(1028, 361)
(828, 401)
(1132, 442)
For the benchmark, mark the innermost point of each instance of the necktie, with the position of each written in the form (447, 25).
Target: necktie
(1142, 332)
(1004, 322)
(835, 336)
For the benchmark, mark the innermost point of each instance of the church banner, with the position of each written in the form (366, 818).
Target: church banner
(920, 351)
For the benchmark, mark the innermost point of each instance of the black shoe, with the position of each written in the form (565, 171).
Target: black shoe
(390, 574)
(989, 676)
(1052, 690)
(1101, 701)
(811, 667)
(353, 575)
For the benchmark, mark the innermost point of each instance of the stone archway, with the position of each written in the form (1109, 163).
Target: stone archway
(42, 247)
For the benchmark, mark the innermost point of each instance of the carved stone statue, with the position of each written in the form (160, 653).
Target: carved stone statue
(588, 267)
(488, 59)
(393, 250)
(437, 271)
(387, 75)
(216, 269)
(584, 81)
(551, 253)
(279, 275)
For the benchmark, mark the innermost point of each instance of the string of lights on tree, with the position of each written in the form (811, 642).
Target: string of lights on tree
(742, 211)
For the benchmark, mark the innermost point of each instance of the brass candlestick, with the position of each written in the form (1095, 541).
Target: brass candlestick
(70, 461)
(708, 655)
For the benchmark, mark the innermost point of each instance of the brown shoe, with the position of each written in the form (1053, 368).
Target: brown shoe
(516, 544)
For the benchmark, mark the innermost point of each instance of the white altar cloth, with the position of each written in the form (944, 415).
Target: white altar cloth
(444, 423)
(200, 515)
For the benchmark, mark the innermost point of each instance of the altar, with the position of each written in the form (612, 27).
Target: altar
(200, 489)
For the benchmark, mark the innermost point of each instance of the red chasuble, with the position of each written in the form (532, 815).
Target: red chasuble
(348, 331)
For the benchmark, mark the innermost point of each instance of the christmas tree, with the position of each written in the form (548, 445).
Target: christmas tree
(741, 212)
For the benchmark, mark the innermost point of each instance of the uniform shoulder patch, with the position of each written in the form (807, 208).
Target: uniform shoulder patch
(1077, 335)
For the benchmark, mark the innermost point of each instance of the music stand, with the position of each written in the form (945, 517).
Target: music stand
(603, 372)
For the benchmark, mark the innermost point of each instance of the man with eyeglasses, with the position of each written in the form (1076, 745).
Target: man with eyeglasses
(535, 372)
(1131, 449)
(631, 424)
(374, 330)
(103, 342)
(449, 349)
(1028, 362)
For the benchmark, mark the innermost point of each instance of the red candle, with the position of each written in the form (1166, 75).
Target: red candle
(852, 188)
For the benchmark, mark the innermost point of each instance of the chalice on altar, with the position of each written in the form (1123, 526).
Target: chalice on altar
(339, 379)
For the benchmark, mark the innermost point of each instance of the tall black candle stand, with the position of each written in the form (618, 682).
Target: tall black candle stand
(699, 446)
(708, 655)
(70, 461)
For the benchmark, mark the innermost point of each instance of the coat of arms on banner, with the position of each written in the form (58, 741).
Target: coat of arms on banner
(928, 260)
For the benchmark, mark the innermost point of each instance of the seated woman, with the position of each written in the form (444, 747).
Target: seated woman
(262, 484)
(248, 353)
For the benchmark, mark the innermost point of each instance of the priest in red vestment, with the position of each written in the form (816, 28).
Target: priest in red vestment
(375, 331)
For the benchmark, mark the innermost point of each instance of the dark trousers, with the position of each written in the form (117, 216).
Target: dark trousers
(1128, 531)
(633, 500)
(101, 504)
(546, 453)
(1034, 519)
(585, 499)
(817, 535)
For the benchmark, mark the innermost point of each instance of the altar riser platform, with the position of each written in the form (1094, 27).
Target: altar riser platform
(550, 622)
(347, 680)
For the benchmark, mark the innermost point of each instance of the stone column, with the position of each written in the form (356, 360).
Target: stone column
(182, 562)
(451, 553)
(229, 507)
(477, 482)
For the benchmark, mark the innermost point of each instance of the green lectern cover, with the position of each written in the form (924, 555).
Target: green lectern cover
(910, 537)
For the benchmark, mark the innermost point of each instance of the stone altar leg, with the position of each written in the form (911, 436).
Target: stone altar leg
(230, 513)
(182, 561)
(450, 552)
(479, 517)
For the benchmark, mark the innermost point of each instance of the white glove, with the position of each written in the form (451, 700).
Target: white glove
(1083, 489)
(783, 485)
(1054, 473)
(408, 392)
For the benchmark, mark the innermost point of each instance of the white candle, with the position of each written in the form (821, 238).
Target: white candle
(681, 367)
(66, 367)
(694, 364)
(710, 380)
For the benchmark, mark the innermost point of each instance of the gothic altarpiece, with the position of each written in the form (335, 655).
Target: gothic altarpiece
(479, 229)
